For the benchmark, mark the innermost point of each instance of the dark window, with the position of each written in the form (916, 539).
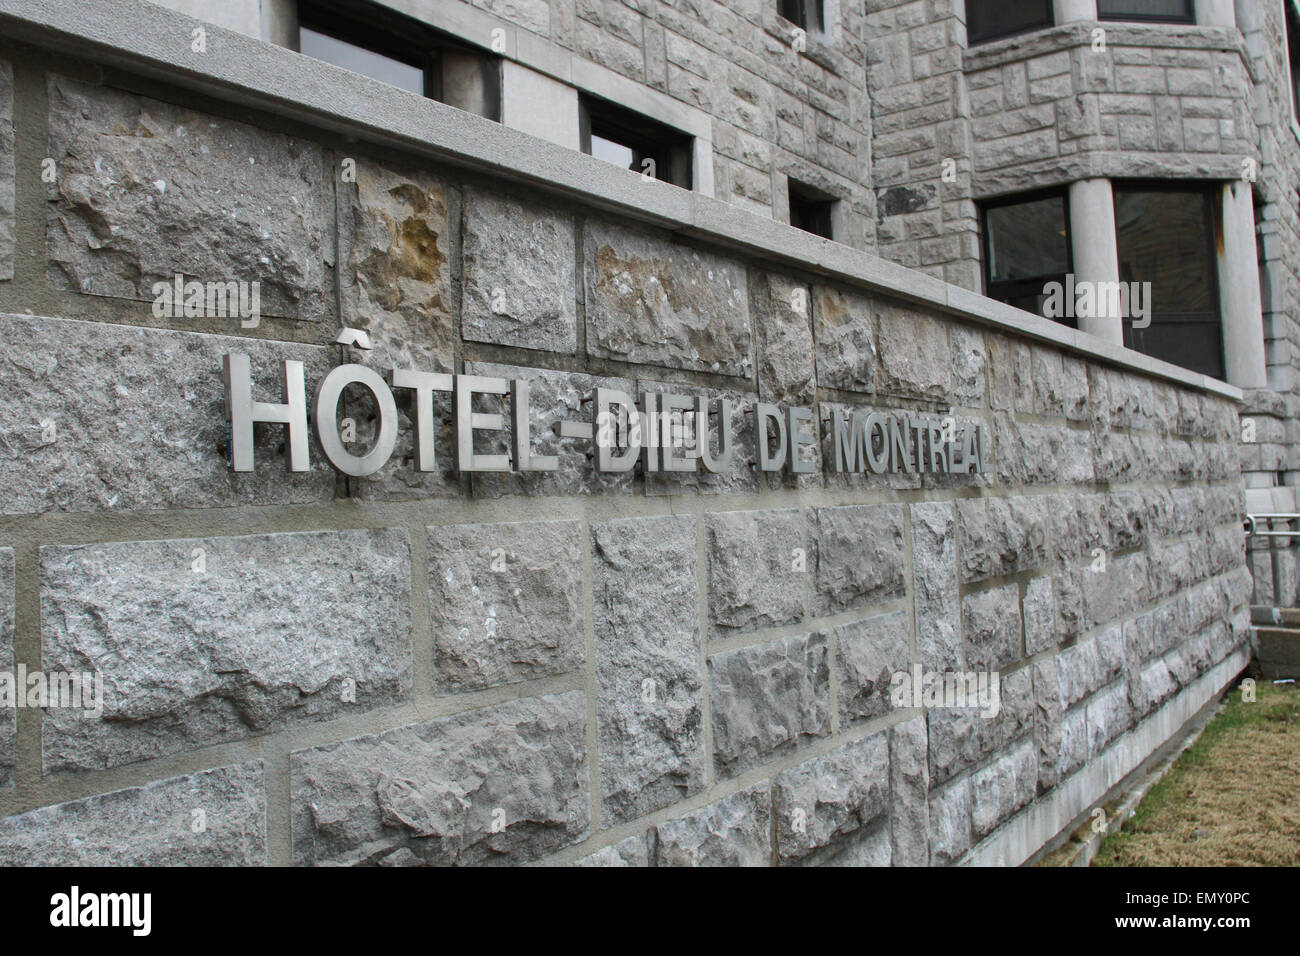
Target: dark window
(806, 14)
(634, 142)
(1166, 237)
(1159, 11)
(995, 19)
(810, 209)
(1293, 54)
(401, 51)
(1027, 246)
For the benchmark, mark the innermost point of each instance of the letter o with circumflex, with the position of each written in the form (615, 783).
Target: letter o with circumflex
(325, 419)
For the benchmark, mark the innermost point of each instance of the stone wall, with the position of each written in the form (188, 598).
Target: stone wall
(1270, 463)
(569, 667)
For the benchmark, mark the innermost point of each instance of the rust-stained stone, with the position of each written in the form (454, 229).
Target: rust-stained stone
(397, 273)
(846, 348)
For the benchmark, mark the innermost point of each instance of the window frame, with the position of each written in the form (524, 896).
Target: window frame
(1189, 19)
(973, 40)
(801, 10)
(1024, 286)
(671, 149)
(810, 196)
(1213, 230)
(1290, 26)
(389, 33)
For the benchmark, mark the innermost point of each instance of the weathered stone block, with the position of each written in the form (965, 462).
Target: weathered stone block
(655, 302)
(991, 628)
(6, 170)
(8, 715)
(505, 602)
(934, 586)
(1002, 787)
(909, 785)
(519, 274)
(204, 640)
(151, 825)
(781, 308)
(1039, 612)
(758, 569)
(1047, 715)
(871, 652)
(822, 805)
(396, 277)
(649, 712)
(950, 822)
(859, 555)
(154, 439)
(636, 850)
(146, 190)
(768, 699)
(504, 784)
(734, 831)
(969, 367)
(846, 347)
(1074, 742)
(915, 357)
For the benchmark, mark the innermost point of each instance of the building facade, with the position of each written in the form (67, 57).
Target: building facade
(970, 327)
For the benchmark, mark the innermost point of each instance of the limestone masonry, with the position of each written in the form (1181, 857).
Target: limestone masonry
(620, 541)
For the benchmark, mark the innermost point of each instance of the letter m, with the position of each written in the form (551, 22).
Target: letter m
(849, 437)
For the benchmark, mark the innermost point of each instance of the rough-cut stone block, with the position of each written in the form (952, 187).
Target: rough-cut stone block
(649, 709)
(758, 569)
(950, 822)
(504, 784)
(859, 555)
(100, 417)
(519, 274)
(871, 652)
(969, 367)
(1039, 609)
(6, 170)
(934, 586)
(735, 831)
(635, 851)
(8, 715)
(396, 273)
(915, 358)
(553, 397)
(1074, 742)
(991, 628)
(146, 190)
(273, 629)
(1002, 787)
(823, 805)
(1047, 721)
(655, 302)
(846, 346)
(505, 602)
(768, 699)
(151, 825)
(909, 785)
(781, 308)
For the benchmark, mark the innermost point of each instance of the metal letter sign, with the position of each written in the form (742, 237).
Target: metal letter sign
(666, 432)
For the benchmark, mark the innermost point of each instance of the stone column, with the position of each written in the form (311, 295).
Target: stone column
(1239, 299)
(1069, 11)
(1215, 13)
(1095, 249)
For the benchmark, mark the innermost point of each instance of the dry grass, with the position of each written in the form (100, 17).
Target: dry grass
(1231, 799)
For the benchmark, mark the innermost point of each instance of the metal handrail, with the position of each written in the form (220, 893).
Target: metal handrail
(1251, 526)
